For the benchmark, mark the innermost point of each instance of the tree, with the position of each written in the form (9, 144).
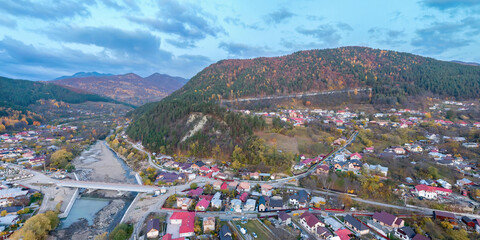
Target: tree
(346, 200)
(60, 158)
(70, 167)
(193, 186)
(4, 213)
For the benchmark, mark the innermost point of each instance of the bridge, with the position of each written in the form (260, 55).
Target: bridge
(123, 187)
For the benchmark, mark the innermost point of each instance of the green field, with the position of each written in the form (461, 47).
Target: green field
(257, 227)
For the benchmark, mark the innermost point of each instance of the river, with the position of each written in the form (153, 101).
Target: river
(99, 163)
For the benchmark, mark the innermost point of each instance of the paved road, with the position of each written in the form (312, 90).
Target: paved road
(297, 95)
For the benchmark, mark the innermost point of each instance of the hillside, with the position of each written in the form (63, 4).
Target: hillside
(18, 96)
(129, 88)
(392, 75)
(84, 74)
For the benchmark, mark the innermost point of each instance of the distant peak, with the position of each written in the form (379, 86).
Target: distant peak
(85, 74)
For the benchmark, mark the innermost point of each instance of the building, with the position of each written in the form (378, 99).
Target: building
(186, 221)
(356, 225)
(266, 189)
(387, 220)
(243, 187)
(216, 201)
(236, 205)
(300, 199)
(343, 234)
(202, 205)
(262, 204)
(420, 237)
(249, 205)
(405, 233)
(310, 222)
(323, 233)
(430, 192)
(276, 203)
(284, 218)
(445, 216)
(322, 169)
(208, 224)
(184, 203)
(153, 228)
(225, 233)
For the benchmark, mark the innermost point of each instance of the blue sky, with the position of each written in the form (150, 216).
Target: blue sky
(41, 40)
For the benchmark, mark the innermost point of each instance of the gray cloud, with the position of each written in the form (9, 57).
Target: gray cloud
(391, 38)
(325, 34)
(238, 22)
(189, 23)
(442, 36)
(450, 4)
(243, 50)
(51, 10)
(137, 43)
(278, 16)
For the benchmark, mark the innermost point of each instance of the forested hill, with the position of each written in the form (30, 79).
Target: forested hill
(19, 94)
(167, 125)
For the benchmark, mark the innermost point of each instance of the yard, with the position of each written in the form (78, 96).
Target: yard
(254, 226)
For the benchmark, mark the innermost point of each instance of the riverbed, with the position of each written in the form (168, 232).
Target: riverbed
(95, 212)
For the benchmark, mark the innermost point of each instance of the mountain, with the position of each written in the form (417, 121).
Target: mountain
(84, 74)
(192, 117)
(18, 96)
(129, 88)
(467, 63)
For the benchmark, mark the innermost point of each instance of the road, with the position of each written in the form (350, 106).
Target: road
(298, 95)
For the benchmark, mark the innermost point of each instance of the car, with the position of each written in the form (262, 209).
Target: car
(243, 231)
(254, 235)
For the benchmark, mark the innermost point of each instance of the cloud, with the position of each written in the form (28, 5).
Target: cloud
(278, 16)
(243, 50)
(391, 38)
(344, 26)
(7, 22)
(450, 4)
(47, 10)
(238, 22)
(325, 34)
(442, 36)
(187, 22)
(137, 43)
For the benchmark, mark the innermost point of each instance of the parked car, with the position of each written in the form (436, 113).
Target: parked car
(254, 235)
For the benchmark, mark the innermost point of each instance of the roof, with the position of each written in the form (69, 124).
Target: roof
(323, 231)
(203, 203)
(283, 216)
(195, 192)
(188, 221)
(310, 219)
(276, 203)
(168, 236)
(244, 197)
(153, 224)
(420, 237)
(225, 233)
(343, 234)
(426, 188)
(443, 214)
(384, 217)
(323, 167)
(407, 231)
(355, 223)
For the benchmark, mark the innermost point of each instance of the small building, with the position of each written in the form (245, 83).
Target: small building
(445, 216)
(262, 204)
(225, 233)
(208, 224)
(276, 203)
(284, 218)
(153, 228)
(322, 170)
(310, 222)
(202, 205)
(387, 220)
(405, 233)
(356, 225)
(249, 205)
(186, 221)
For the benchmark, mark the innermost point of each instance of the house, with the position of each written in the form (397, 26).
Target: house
(310, 222)
(317, 201)
(356, 225)
(445, 216)
(186, 221)
(208, 224)
(276, 203)
(420, 237)
(430, 192)
(195, 192)
(262, 204)
(387, 220)
(322, 169)
(404, 233)
(243, 187)
(266, 189)
(168, 236)
(254, 175)
(184, 203)
(217, 185)
(356, 156)
(202, 205)
(468, 221)
(225, 233)
(153, 228)
(244, 197)
(216, 201)
(444, 184)
(369, 149)
(399, 151)
(379, 169)
(323, 233)
(464, 181)
(249, 205)
(232, 185)
(300, 199)
(284, 218)
(343, 234)
(236, 205)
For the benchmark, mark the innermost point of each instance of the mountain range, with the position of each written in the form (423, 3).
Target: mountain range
(192, 115)
(129, 88)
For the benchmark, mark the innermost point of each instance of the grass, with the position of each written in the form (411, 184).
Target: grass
(257, 227)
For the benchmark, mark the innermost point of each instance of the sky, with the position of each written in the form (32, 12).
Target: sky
(42, 39)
